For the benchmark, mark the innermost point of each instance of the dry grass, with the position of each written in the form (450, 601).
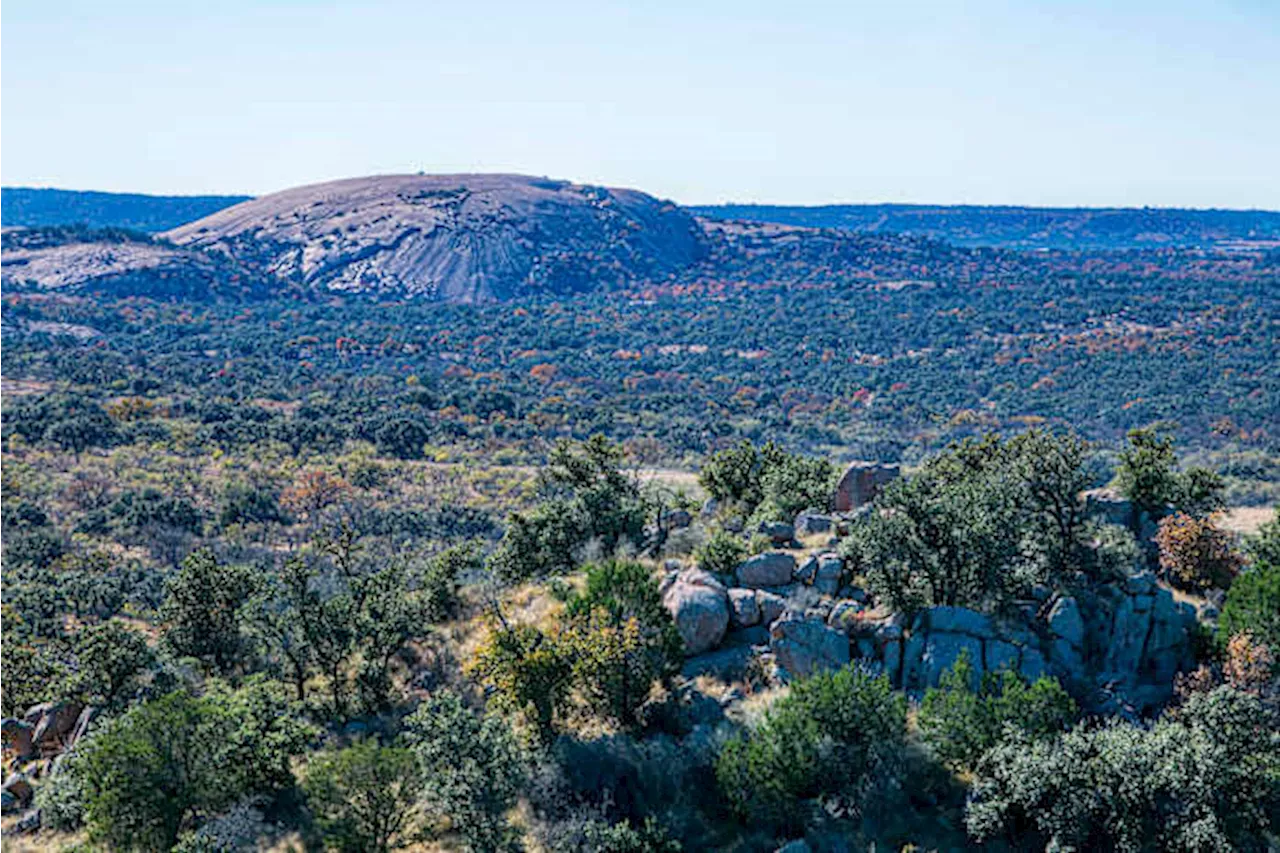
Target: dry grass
(1247, 519)
(46, 841)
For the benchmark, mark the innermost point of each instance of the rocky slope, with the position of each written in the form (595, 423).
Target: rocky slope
(113, 261)
(457, 238)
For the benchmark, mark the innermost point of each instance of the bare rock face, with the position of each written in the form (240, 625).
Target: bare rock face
(457, 238)
(132, 264)
(861, 482)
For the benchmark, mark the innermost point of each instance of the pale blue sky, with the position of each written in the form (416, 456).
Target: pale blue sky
(1091, 102)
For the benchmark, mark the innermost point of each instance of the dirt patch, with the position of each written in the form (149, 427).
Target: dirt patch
(23, 387)
(1247, 519)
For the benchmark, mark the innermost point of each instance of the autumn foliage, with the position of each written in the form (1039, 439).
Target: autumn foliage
(1196, 554)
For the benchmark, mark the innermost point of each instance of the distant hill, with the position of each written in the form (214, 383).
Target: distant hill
(1024, 227)
(487, 238)
(454, 238)
(30, 208)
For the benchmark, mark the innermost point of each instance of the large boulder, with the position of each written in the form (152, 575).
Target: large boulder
(779, 532)
(729, 663)
(939, 652)
(745, 608)
(677, 519)
(826, 579)
(57, 722)
(18, 790)
(17, 738)
(699, 605)
(860, 483)
(772, 606)
(1108, 506)
(803, 646)
(772, 568)
(1066, 623)
(809, 522)
(955, 620)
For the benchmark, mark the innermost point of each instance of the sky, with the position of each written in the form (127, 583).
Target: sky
(1039, 102)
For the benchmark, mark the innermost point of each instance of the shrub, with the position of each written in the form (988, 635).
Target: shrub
(61, 798)
(1195, 554)
(364, 797)
(1253, 605)
(202, 610)
(149, 772)
(440, 579)
(599, 836)
(721, 554)
(1203, 781)
(249, 503)
(529, 673)
(832, 736)
(620, 639)
(960, 723)
(110, 661)
(472, 769)
(1264, 546)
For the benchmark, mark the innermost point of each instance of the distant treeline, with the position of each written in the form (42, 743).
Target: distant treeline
(1023, 227)
(29, 208)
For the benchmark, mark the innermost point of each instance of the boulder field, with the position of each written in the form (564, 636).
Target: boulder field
(1115, 645)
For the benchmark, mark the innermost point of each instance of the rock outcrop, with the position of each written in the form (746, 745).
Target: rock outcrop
(772, 568)
(699, 605)
(455, 238)
(860, 483)
(133, 265)
(1120, 644)
(803, 645)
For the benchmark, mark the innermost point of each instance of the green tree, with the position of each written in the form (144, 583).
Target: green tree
(586, 500)
(611, 502)
(151, 771)
(767, 483)
(24, 671)
(620, 638)
(734, 475)
(1051, 473)
(529, 671)
(1253, 606)
(790, 484)
(960, 723)
(203, 610)
(389, 616)
(472, 770)
(951, 534)
(835, 735)
(111, 659)
(365, 797)
(1205, 780)
(1148, 476)
(441, 577)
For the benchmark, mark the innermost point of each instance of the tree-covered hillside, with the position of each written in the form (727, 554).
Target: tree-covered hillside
(1015, 227)
(30, 207)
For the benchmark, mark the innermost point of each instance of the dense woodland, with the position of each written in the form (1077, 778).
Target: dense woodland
(290, 570)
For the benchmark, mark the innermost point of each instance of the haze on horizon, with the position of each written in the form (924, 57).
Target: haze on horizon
(1051, 103)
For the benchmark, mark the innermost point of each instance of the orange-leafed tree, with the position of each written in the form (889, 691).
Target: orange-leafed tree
(1196, 554)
